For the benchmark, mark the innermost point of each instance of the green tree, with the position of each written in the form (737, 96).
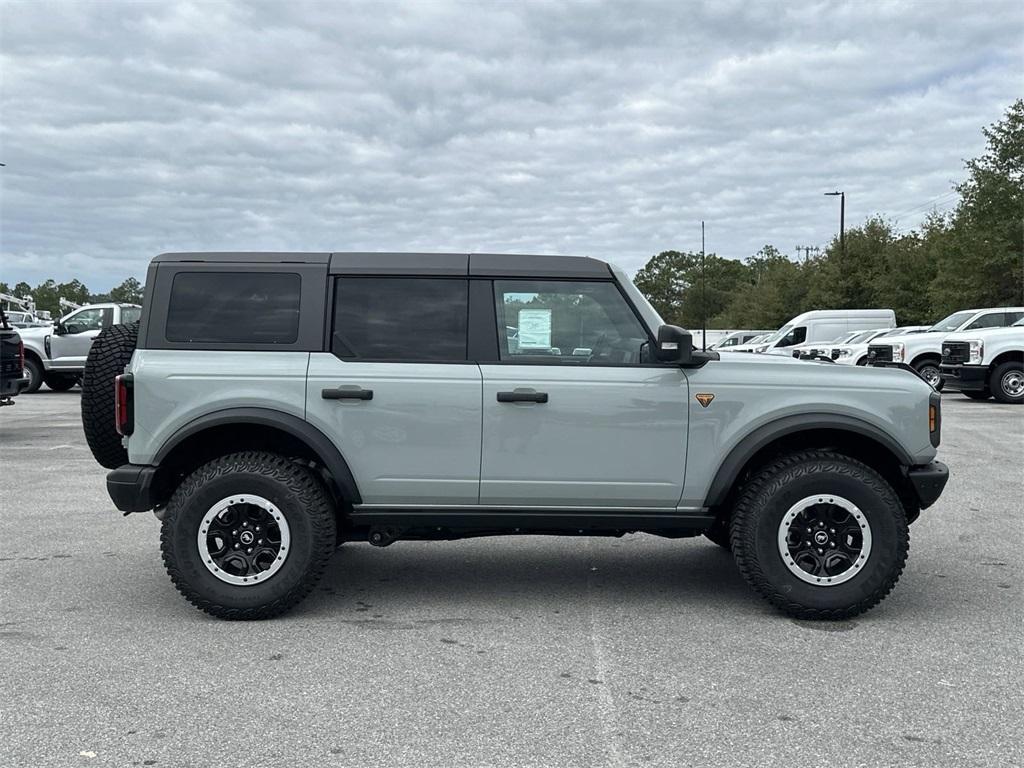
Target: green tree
(774, 292)
(981, 259)
(684, 292)
(129, 292)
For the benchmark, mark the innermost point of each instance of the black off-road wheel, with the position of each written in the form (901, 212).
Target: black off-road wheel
(34, 372)
(110, 353)
(247, 536)
(1007, 383)
(820, 535)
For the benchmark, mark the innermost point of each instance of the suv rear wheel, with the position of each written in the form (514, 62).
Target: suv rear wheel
(820, 535)
(247, 536)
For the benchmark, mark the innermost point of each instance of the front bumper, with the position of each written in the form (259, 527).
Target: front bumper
(132, 487)
(928, 481)
(970, 378)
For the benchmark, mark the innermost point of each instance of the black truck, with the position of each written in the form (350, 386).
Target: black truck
(12, 362)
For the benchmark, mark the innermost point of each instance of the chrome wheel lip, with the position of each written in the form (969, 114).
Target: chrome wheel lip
(1012, 383)
(809, 501)
(221, 506)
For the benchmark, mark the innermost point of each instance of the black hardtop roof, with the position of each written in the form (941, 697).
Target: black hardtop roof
(389, 263)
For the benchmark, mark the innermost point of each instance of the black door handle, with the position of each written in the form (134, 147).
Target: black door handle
(522, 397)
(347, 393)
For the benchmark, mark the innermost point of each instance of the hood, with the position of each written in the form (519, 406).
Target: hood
(928, 336)
(987, 333)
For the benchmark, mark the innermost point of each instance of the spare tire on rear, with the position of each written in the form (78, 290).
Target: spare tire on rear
(110, 353)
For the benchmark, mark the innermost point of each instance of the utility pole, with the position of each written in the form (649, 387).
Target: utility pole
(703, 293)
(808, 250)
(842, 219)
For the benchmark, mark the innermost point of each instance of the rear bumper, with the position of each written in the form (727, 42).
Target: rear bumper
(11, 387)
(965, 377)
(132, 487)
(928, 481)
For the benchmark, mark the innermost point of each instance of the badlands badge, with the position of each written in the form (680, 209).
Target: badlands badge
(704, 398)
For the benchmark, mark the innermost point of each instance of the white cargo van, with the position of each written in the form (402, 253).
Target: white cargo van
(823, 325)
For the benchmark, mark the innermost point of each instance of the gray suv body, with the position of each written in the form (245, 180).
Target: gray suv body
(329, 397)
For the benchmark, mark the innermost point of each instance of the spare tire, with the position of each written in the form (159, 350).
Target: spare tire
(110, 353)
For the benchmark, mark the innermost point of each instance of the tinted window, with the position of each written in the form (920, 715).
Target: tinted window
(234, 308)
(553, 321)
(401, 318)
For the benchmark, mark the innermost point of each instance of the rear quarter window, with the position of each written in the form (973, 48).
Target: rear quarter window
(234, 308)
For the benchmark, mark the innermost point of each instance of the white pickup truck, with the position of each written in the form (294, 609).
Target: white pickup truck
(988, 363)
(55, 354)
(923, 351)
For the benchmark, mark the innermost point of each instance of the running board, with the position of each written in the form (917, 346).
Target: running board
(532, 519)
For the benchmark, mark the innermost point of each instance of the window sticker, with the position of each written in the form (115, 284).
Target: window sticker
(535, 328)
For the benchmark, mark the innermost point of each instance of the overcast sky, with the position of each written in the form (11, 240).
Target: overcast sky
(605, 130)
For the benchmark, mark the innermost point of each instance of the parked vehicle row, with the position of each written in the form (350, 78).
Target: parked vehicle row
(923, 351)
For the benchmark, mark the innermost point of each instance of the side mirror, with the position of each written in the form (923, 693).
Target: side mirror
(60, 329)
(674, 345)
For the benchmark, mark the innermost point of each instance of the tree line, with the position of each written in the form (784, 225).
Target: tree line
(970, 257)
(47, 294)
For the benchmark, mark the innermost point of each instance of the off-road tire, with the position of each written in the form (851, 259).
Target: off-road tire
(110, 353)
(719, 533)
(996, 383)
(984, 395)
(35, 374)
(763, 503)
(301, 498)
(60, 382)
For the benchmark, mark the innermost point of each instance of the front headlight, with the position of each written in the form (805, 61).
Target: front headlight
(844, 351)
(899, 349)
(977, 352)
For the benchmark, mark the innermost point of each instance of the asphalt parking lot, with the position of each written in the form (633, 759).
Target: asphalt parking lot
(532, 651)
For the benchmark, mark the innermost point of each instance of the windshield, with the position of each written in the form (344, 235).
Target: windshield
(952, 322)
(773, 337)
(863, 336)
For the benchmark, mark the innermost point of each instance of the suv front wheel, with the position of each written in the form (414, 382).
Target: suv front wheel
(247, 536)
(820, 535)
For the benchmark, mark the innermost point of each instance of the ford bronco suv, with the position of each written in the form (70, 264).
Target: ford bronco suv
(270, 406)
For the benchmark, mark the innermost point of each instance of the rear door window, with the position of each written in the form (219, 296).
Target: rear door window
(401, 319)
(234, 308)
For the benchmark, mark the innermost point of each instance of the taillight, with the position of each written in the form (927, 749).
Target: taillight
(124, 413)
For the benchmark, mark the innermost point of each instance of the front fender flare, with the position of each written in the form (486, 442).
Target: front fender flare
(754, 441)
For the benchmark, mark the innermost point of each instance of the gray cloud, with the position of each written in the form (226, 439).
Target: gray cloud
(611, 130)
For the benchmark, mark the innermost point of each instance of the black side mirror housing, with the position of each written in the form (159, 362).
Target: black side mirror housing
(675, 345)
(60, 329)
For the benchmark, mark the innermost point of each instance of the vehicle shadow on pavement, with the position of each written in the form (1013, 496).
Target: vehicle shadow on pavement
(444, 575)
